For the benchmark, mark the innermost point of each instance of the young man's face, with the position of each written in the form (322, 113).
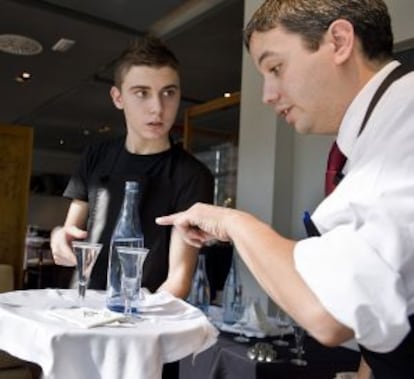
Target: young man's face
(149, 97)
(298, 83)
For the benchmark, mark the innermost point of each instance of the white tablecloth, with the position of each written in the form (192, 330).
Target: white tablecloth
(171, 330)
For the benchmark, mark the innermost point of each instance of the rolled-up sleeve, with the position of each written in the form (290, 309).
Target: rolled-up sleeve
(355, 270)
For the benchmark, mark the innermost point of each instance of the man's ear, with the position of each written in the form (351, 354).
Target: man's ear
(116, 97)
(342, 36)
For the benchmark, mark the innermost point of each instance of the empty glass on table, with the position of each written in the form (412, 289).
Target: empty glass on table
(283, 322)
(86, 254)
(132, 260)
(299, 337)
(242, 313)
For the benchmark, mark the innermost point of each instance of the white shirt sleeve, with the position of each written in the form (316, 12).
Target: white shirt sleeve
(355, 284)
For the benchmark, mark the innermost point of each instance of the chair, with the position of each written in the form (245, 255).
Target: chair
(11, 367)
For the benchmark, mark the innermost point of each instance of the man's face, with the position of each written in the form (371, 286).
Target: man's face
(298, 83)
(150, 98)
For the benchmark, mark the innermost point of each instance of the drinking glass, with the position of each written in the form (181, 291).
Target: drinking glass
(299, 335)
(132, 260)
(283, 322)
(86, 254)
(242, 319)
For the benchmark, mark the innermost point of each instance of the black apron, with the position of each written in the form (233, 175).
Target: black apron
(397, 364)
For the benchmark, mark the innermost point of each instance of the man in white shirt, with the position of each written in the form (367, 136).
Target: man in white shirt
(322, 62)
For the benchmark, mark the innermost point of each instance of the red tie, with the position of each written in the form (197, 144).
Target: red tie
(336, 162)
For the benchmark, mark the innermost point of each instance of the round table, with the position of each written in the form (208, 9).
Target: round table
(170, 330)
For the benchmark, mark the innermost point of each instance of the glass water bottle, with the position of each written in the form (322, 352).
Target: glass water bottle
(200, 289)
(127, 232)
(232, 294)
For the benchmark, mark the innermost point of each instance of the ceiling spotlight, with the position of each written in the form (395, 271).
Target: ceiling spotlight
(86, 132)
(61, 142)
(23, 77)
(227, 94)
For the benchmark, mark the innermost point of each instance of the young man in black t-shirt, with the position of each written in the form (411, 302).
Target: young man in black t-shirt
(147, 90)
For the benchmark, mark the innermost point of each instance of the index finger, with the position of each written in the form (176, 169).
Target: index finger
(166, 220)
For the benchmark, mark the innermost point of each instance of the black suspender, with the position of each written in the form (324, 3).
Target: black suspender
(395, 74)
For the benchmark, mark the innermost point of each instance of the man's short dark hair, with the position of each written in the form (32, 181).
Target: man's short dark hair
(146, 51)
(312, 18)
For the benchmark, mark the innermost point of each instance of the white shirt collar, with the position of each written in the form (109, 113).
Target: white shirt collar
(351, 123)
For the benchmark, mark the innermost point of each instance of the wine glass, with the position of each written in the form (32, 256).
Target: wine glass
(299, 335)
(241, 315)
(86, 254)
(132, 260)
(283, 322)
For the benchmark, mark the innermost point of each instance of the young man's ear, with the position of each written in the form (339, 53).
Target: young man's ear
(342, 36)
(116, 97)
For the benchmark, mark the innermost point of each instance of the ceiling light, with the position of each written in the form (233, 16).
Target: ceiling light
(227, 94)
(23, 77)
(63, 45)
(19, 45)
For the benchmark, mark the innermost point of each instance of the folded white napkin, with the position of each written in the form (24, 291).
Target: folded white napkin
(255, 319)
(254, 322)
(157, 299)
(86, 317)
(164, 305)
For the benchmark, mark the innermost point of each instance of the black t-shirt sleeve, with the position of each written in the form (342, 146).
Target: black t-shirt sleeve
(77, 187)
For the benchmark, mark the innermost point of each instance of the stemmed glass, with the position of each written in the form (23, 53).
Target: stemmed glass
(132, 260)
(86, 254)
(299, 335)
(283, 322)
(242, 319)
